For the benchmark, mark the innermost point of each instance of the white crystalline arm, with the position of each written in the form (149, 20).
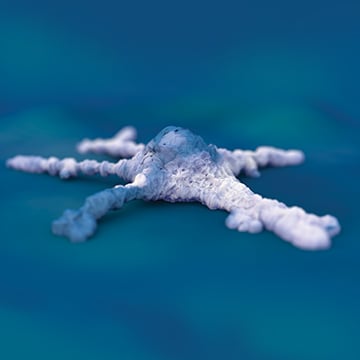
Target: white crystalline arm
(78, 225)
(249, 162)
(293, 224)
(121, 145)
(68, 167)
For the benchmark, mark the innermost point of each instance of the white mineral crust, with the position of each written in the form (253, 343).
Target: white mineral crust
(178, 166)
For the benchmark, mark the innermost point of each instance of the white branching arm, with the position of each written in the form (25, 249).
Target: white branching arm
(67, 167)
(248, 162)
(121, 145)
(78, 225)
(292, 224)
(252, 213)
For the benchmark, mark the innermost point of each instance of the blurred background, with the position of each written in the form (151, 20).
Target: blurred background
(170, 281)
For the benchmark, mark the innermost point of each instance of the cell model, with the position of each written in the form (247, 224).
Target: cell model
(178, 166)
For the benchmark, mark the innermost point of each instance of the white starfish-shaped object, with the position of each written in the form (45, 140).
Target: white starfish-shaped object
(178, 166)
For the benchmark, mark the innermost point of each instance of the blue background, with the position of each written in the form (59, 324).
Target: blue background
(170, 281)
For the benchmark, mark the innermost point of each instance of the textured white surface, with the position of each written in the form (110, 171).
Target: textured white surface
(178, 165)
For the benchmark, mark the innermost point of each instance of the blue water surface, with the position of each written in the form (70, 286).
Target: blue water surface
(169, 281)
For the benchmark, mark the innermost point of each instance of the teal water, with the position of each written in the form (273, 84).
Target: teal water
(169, 281)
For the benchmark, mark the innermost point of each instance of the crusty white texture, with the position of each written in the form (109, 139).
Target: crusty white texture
(178, 166)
